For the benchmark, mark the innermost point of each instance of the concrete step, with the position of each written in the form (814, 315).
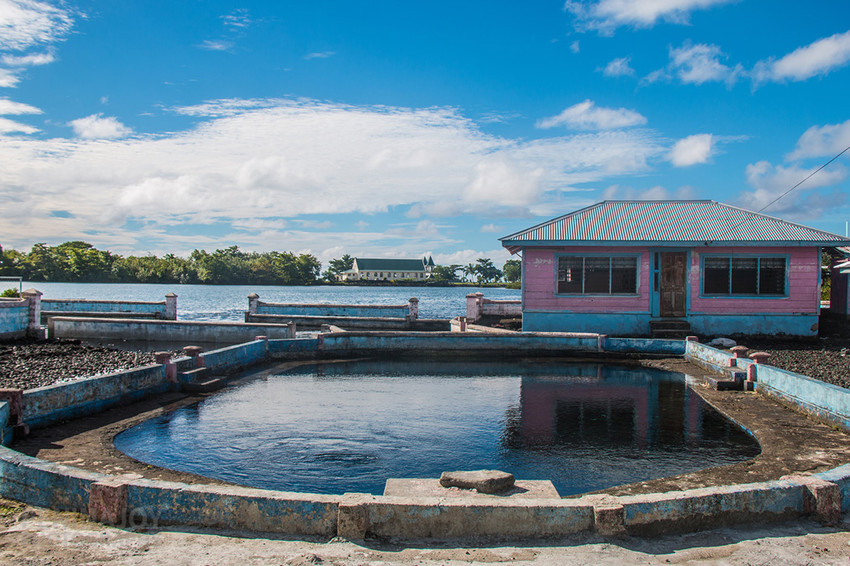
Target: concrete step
(202, 387)
(192, 375)
(675, 328)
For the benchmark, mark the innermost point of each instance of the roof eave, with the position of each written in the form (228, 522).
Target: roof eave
(519, 244)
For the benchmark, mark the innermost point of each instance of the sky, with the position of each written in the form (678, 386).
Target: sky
(403, 129)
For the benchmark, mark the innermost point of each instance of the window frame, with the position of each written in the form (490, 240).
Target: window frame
(757, 295)
(636, 256)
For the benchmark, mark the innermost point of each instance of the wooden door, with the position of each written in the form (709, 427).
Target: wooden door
(673, 269)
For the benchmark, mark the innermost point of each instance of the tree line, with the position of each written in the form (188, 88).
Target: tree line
(81, 262)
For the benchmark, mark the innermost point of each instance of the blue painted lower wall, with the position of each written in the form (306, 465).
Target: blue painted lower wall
(754, 324)
(637, 324)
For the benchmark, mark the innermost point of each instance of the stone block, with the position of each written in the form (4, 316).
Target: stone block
(485, 481)
(609, 519)
(353, 516)
(821, 500)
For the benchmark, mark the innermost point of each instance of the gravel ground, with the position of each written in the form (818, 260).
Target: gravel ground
(826, 358)
(25, 364)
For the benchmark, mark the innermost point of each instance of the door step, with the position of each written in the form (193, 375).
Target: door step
(675, 328)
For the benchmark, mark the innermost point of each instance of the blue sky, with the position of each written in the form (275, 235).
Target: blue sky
(397, 129)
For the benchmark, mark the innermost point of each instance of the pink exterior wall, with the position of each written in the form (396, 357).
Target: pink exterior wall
(538, 288)
(803, 288)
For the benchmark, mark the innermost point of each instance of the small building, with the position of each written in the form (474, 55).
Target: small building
(629, 267)
(372, 269)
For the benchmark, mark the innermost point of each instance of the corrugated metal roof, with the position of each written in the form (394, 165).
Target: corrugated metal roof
(374, 264)
(685, 221)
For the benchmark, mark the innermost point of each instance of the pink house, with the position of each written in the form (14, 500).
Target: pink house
(671, 267)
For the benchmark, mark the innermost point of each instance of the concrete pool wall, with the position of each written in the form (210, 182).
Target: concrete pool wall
(137, 502)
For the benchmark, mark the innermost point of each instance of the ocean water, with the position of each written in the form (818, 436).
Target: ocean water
(229, 302)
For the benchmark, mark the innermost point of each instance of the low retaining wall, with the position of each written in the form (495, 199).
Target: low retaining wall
(822, 400)
(352, 322)
(21, 317)
(164, 330)
(166, 310)
(14, 318)
(408, 311)
(122, 501)
(478, 307)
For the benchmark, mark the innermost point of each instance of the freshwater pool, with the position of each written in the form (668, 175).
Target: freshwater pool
(348, 426)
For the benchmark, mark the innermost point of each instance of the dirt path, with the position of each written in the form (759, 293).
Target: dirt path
(35, 536)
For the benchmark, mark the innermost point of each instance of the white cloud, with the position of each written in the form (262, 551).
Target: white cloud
(607, 15)
(619, 68)
(818, 58)
(281, 159)
(9, 107)
(30, 60)
(239, 19)
(8, 78)
(700, 63)
(575, 47)
(619, 192)
(769, 182)
(587, 116)
(98, 127)
(10, 126)
(26, 23)
(216, 45)
(692, 150)
(490, 229)
(320, 55)
(822, 141)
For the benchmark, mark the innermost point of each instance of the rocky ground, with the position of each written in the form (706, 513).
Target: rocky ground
(26, 364)
(826, 359)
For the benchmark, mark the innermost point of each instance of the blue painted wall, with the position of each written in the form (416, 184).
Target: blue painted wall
(384, 311)
(14, 320)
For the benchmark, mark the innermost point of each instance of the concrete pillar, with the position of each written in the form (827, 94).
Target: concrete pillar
(821, 499)
(33, 298)
(15, 398)
(195, 353)
(600, 342)
(253, 300)
(292, 330)
(760, 357)
(473, 306)
(462, 320)
(171, 306)
(413, 308)
(170, 367)
(108, 502)
(692, 339)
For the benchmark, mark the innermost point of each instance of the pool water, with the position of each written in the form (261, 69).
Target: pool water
(348, 426)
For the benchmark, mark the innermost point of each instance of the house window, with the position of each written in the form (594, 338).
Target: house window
(597, 275)
(728, 275)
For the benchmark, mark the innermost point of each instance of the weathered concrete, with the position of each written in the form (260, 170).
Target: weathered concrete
(309, 322)
(477, 307)
(166, 309)
(417, 487)
(164, 330)
(408, 311)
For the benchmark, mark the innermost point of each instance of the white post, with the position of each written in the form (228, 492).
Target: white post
(171, 306)
(33, 298)
(413, 308)
(253, 299)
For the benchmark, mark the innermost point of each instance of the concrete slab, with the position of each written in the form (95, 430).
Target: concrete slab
(523, 489)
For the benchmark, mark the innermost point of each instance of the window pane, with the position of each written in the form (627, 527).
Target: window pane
(716, 276)
(569, 275)
(744, 276)
(772, 276)
(596, 274)
(624, 275)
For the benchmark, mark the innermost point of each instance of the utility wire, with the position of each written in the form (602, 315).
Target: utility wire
(809, 176)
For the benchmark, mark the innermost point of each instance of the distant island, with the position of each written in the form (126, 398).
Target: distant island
(81, 262)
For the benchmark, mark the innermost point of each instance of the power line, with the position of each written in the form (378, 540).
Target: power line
(809, 176)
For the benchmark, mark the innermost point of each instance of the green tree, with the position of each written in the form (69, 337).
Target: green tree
(445, 273)
(337, 266)
(486, 271)
(512, 270)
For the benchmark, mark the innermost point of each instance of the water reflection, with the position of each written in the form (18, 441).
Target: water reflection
(337, 427)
